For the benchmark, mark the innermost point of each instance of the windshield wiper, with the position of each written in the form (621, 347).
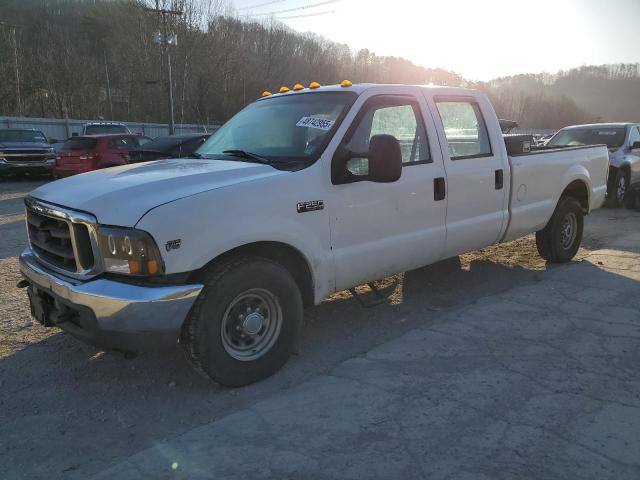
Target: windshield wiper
(247, 156)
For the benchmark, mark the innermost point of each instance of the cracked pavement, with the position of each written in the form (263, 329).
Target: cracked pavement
(540, 381)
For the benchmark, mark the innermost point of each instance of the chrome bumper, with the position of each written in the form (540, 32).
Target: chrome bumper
(119, 311)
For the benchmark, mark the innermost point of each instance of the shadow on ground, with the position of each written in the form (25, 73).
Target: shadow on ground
(60, 392)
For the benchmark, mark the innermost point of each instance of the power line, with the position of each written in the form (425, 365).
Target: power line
(261, 4)
(306, 15)
(305, 7)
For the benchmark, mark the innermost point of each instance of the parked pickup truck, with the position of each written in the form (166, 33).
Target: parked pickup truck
(299, 195)
(25, 150)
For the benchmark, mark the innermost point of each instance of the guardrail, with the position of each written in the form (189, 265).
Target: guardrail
(60, 129)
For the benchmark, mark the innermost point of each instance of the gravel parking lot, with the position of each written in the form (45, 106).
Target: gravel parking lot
(69, 410)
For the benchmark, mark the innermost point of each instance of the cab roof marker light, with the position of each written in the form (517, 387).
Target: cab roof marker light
(284, 89)
(266, 93)
(297, 87)
(314, 85)
(346, 83)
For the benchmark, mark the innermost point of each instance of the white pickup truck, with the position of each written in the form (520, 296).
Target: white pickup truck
(301, 194)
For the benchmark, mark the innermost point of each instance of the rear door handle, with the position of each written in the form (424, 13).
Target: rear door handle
(439, 189)
(499, 179)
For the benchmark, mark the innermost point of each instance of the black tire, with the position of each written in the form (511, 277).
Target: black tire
(558, 242)
(212, 326)
(618, 189)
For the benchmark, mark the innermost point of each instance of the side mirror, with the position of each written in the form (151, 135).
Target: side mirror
(635, 146)
(385, 159)
(382, 163)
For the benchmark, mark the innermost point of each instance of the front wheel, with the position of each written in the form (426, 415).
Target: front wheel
(618, 189)
(560, 240)
(245, 322)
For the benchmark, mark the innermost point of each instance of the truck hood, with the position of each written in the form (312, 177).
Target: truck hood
(23, 146)
(122, 195)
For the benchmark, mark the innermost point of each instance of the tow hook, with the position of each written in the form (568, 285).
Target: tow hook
(23, 283)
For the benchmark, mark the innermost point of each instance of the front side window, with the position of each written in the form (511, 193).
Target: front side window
(634, 136)
(394, 116)
(464, 128)
(293, 128)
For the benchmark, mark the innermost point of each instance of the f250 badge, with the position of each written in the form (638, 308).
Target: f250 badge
(310, 206)
(173, 244)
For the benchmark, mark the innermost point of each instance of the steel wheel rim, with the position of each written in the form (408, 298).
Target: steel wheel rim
(251, 324)
(621, 188)
(569, 230)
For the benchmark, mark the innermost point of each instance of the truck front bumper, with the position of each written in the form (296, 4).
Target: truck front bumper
(45, 166)
(107, 313)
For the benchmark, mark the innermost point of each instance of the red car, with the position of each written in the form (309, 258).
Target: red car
(91, 152)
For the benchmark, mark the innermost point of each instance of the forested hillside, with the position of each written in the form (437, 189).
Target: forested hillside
(588, 93)
(97, 59)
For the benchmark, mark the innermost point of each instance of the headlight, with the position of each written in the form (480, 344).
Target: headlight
(129, 252)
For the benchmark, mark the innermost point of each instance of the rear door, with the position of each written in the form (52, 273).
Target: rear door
(477, 172)
(383, 228)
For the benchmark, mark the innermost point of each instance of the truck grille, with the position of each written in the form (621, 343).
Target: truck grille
(28, 156)
(61, 239)
(51, 239)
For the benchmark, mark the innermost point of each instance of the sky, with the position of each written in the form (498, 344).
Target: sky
(480, 39)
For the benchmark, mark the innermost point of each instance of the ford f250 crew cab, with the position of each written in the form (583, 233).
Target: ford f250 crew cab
(301, 194)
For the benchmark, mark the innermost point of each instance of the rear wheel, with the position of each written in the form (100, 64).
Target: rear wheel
(245, 322)
(560, 240)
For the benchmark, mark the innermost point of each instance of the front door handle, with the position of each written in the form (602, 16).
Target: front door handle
(499, 179)
(439, 189)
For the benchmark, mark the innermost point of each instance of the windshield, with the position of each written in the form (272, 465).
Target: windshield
(23, 136)
(573, 137)
(292, 127)
(97, 129)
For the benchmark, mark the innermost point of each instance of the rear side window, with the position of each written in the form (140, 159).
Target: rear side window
(464, 128)
(79, 144)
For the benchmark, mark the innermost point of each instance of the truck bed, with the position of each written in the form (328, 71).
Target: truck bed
(538, 179)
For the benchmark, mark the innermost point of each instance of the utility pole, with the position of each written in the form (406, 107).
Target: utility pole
(106, 74)
(14, 43)
(164, 40)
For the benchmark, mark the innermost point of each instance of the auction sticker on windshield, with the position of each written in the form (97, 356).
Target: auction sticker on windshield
(312, 122)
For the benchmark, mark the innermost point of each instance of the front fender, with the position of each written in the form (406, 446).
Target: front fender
(192, 231)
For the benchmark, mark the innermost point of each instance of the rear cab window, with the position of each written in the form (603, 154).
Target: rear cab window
(97, 129)
(464, 127)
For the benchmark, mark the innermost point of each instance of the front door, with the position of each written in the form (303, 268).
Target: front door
(378, 229)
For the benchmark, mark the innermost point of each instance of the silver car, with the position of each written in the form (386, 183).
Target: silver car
(623, 141)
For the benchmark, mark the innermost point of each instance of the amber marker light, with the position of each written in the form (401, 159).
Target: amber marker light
(346, 83)
(152, 267)
(266, 93)
(284, 89)
(314, 85)
(297, 87)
